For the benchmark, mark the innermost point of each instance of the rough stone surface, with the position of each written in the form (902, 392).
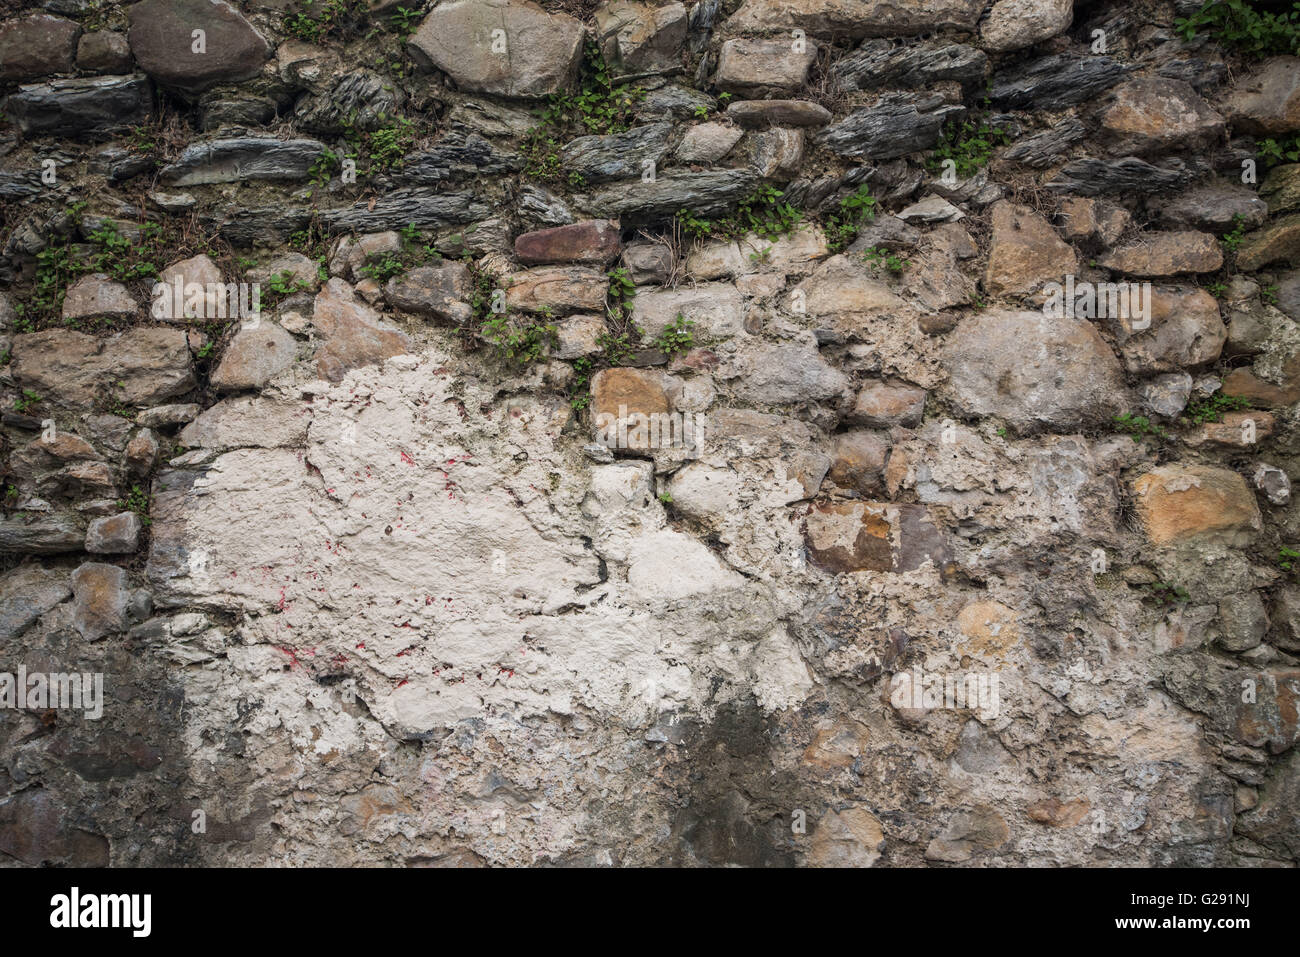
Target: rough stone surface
(1267, 101)
(379, 579)
(114, 534)
(37, 45)
(1015, 24)
(1034, 371)
(163, 43)
(758, 68)
(1182, 502)
(443, 292)
(1167, 254)
(590, 241)
(253, 357)
(537, 53)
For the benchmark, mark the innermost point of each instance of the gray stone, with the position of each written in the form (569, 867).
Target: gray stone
(759, 68)
(1274, 483)
(1016, 24)
(878, 64)
(899, 124)
(39, 533)
(856, 19)
(1267, 101)
(648, 262)
(540, 56)
(26, 593)
(1055, 82)
(1213, 207)
(542, 207)
(705, 194)
(1046, 148)
(1243, 622)
(114, 534)
(456, 155)
(641, 37)
(253, 357)
(672, 102)
(758, 113)
(1288, 295)
(1130, 175)
(783, 374)
(443, 292)
(707, 142)
(1166, 395)
(92, 108)
(243, 158)
(165, 415)
(1034, 371)
(601, 159)
(96, 295)
(359, 100)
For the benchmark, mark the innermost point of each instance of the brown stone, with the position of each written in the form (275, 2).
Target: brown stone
(1271, 718)
(758, 113)
(857, 460)
(868, 536)
(37, 45)
(619, 394)
(592, 241)
(1025, 252)
(849, 538)
(1183, 502)
(36, 830)
(100, 596)
(142, 452)
(1267, 102)
(1155, 114)
(1234, 431)
(1279, 241)
(758, 68)
(354, 334)
(1244, 383)
(561, 289)
(851, 837)
(161, 37)
(884, 404)
(1058, 813)
(1090, 221)
(1167, 254)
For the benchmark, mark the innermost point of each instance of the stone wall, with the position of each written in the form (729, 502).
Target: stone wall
(367, 583)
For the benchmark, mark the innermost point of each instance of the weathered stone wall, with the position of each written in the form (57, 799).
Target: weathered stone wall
(363, 584)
